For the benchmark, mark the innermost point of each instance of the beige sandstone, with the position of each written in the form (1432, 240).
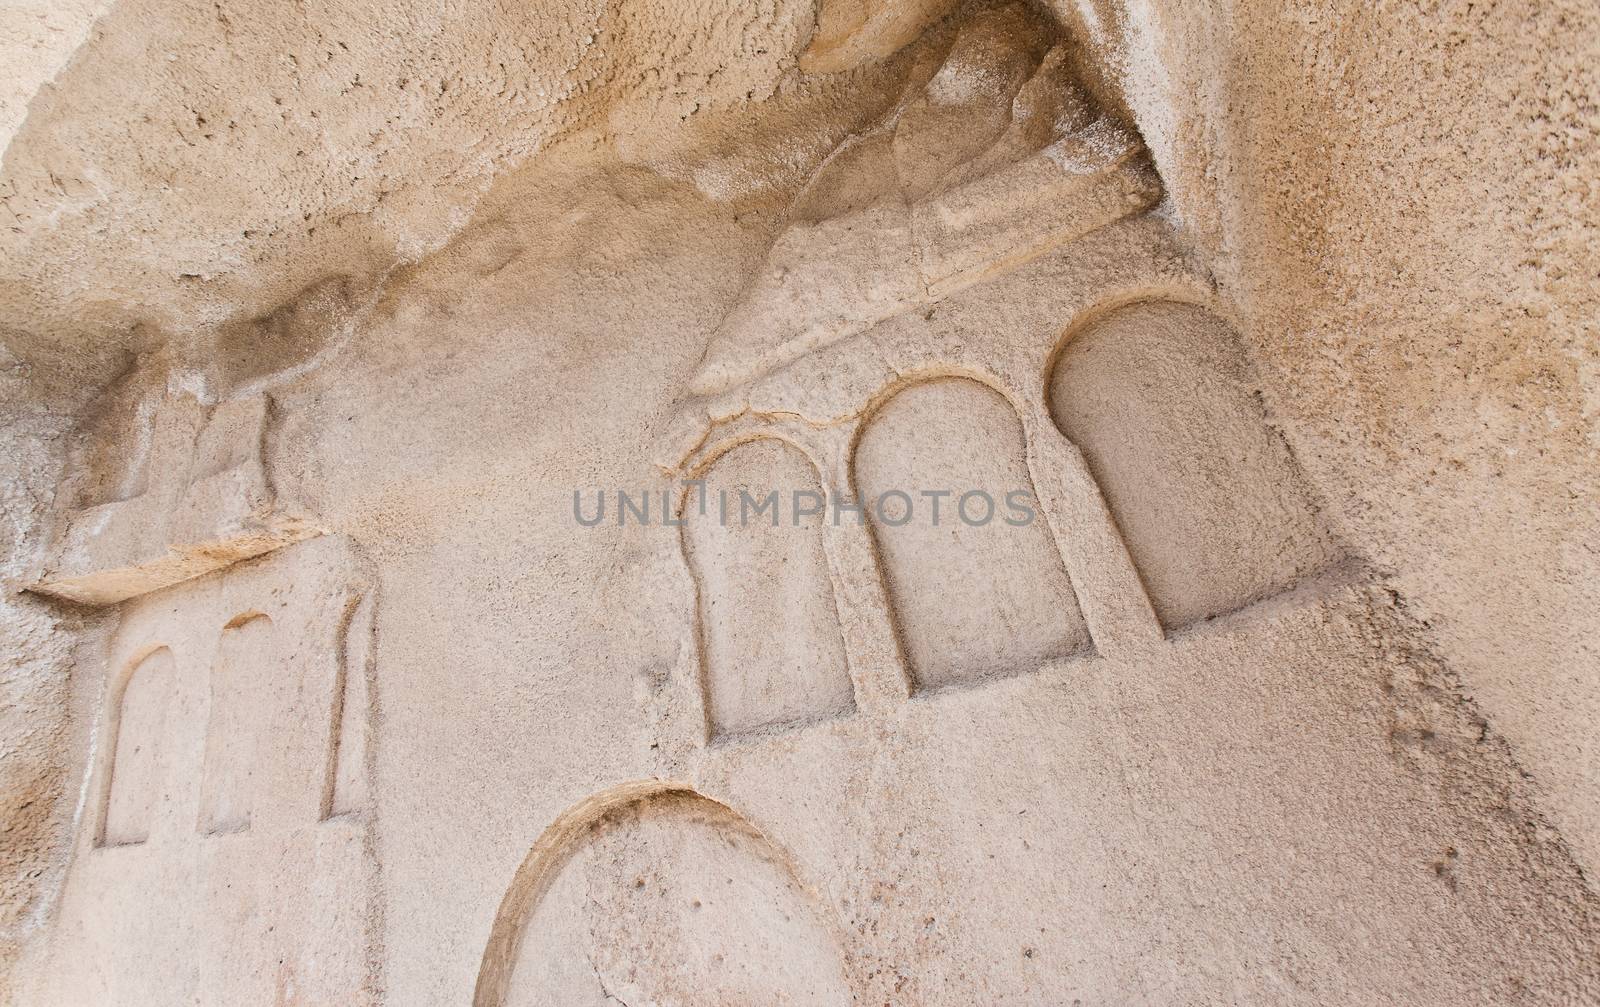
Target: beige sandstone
(320, 687)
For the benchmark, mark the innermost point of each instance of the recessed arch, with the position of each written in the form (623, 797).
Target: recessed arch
(771, 650)
(1110, 301)
(974, 575)
(658, 827)
(244, 682)
(1159, 397)
(925, 375)
(138, 746)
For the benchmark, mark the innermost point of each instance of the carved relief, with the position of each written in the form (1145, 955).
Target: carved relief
(1152, 510)
(139, 734)
(978, 586)
(236, 763)
(996, 159)
(769, 632)
(193, 497)
(906, 330)
(244, 679)
(1205, 493)
(665, 897)
(994, 163)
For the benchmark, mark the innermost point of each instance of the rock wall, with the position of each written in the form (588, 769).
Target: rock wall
(1263, 676)
(1399, 201)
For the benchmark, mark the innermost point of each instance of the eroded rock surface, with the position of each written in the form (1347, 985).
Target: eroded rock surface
(326, 326)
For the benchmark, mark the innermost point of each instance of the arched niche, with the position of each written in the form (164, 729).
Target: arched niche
(1161, 401)
(243, 712)
(141, 750)
(976, 594)
(652, 893)
(769, 629)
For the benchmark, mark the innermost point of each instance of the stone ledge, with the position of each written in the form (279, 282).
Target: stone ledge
(208, 503)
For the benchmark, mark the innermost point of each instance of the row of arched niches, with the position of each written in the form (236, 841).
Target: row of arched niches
(1163, 498)
(227, 844)
(236, 711)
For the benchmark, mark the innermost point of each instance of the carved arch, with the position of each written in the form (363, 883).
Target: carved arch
(132, 767)
(567, 835)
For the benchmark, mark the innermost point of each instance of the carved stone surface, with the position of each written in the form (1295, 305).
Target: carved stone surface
(1112, 423)
(1166, 461)
(246, 680)
(673, 898)
(138, 781)
(980, 593)
(237, 708)
(1278, 318)
(770, 635)
(999, 159)
(203, 499)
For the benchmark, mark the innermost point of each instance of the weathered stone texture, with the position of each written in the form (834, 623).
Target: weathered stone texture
(328, 326)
